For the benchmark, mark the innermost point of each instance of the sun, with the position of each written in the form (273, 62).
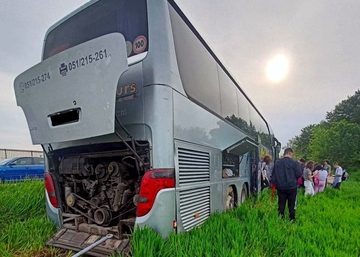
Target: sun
(277, 68)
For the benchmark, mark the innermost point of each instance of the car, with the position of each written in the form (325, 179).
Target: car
(21, 168)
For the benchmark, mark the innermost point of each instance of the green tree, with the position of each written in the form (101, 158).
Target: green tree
(348, 109)
(300, 144)
(338, 142)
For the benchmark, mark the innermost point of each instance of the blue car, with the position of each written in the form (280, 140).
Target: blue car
(21, 168)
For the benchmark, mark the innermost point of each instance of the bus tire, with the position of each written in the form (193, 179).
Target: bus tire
(243, 194)
(230, 201)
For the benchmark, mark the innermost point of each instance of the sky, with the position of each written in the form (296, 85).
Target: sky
(317, 42)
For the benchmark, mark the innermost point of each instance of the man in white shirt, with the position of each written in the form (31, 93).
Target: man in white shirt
(338, 175)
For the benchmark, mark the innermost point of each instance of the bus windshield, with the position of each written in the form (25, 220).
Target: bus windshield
(128, 17)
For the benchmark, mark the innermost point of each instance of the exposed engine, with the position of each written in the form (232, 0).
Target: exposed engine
(101, 190)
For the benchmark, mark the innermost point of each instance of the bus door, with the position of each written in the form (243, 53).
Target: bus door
(255, 182)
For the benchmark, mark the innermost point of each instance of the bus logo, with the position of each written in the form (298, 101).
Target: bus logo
(63, 69)
(125, 93)
(126, 90)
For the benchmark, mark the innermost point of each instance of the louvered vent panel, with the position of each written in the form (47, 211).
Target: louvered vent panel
(194, 206)
(194, 166)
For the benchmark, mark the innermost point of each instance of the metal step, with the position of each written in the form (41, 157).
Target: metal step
(71, 240)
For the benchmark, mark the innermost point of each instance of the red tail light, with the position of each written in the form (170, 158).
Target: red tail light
(152, 182)
(49, 185)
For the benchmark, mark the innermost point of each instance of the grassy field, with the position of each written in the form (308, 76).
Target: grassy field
(23, 224)
(327, 225)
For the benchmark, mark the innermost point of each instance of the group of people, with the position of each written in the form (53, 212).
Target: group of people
(315, 176)
(287, 175)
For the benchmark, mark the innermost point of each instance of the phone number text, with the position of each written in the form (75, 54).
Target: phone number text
(97, 56)
(35, 81)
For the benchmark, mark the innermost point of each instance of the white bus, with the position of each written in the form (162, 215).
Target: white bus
(141, 125)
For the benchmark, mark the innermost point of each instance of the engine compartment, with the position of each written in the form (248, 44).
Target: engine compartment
(99, 191)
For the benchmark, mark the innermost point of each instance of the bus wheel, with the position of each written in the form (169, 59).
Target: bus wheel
(229, 199)
(243, 195)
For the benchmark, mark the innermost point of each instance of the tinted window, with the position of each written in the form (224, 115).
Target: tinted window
(263, 126)
(205, 81)
(260, 129)
(243, 107)
(198, 69)
(23, 161)
(254, 121)
(228, 99)
(266, 140)
(38, 161)
(104, 17)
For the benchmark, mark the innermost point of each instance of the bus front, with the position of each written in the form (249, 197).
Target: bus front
(84, 103)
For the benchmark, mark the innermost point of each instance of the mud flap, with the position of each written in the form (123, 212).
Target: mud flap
(71, 240)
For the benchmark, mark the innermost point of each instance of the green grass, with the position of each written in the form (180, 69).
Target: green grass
(24, 228)
(327, 225)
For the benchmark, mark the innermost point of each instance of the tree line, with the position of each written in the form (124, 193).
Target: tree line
(336, 138)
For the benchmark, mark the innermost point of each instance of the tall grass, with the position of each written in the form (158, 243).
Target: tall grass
(24, 228)
(328, 224)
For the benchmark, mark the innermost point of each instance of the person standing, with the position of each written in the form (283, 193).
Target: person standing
(327, 167)
(261, 177)
(302, 164)
(308, 182)
(322, 175)
(285, 175)
(338, 176)
(267, 169)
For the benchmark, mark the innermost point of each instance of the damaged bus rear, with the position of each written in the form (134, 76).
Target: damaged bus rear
(141, 125)
(99, 111)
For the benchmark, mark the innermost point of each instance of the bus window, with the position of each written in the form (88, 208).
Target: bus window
(198, 69)
(260, 130)
(234, 105)
(227, 96)
(243, 106)
(104, 17)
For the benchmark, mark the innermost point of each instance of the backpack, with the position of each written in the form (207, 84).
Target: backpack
(343, 177)
(301, 181)
(316, 180)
